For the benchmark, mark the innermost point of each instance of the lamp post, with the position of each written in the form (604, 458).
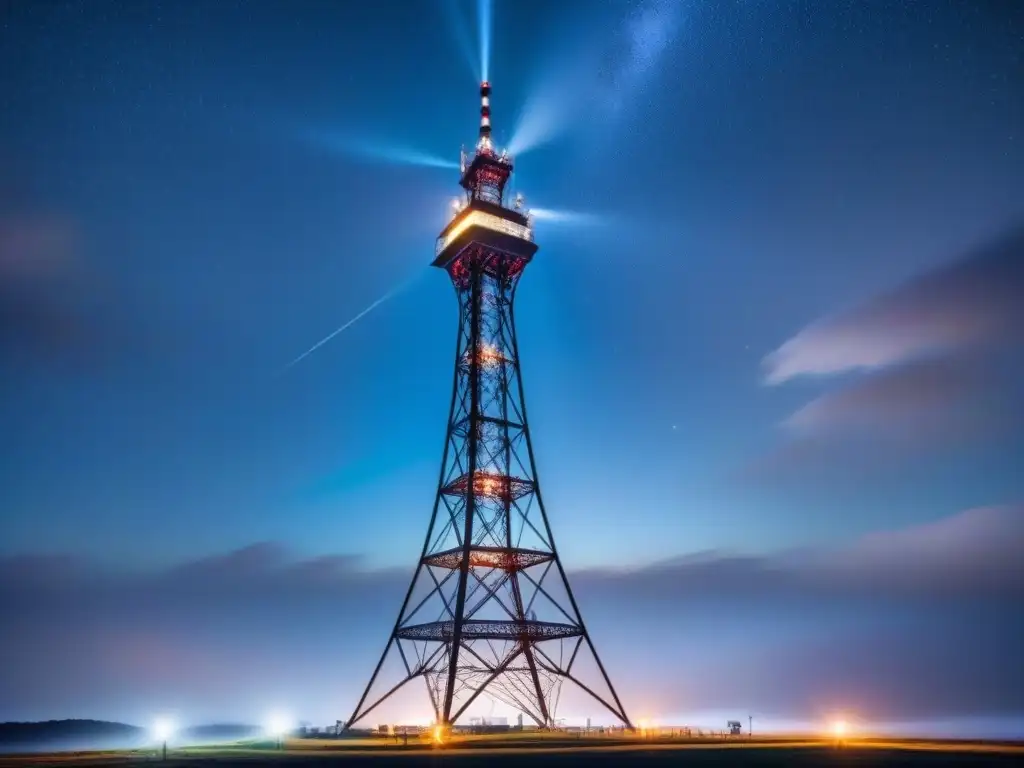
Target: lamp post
(839, 730)
(277, 726)
(163, 729)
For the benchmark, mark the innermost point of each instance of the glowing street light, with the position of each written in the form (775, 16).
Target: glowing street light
(278, 726)
(163, 729)
(839, 730)
(439, 734)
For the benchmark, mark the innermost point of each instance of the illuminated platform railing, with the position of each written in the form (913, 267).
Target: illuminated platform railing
(506, 559)
(486, 220)
(479, 629)
(490, 485)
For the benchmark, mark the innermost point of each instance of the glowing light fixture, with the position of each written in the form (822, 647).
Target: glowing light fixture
(488, 355)
(488, 221)
(278, 726)
(163, 729)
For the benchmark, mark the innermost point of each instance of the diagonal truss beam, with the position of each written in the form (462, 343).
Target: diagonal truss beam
(490, 534)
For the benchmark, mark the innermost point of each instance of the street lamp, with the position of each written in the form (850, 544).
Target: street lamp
(277, 726)
(839, 730)
(163, 729)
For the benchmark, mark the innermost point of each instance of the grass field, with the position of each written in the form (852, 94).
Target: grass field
(552, 751)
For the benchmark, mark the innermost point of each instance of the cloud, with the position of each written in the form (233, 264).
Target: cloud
(976, 301)
(979, 553)
(910, 412)
(918, 401)
(228, 636)
(975, 554)
(60, 307)
(35, 245)
(939, 363)
(55, 306)
(38, 266)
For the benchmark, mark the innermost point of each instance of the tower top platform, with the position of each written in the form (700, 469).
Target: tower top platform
(483, 217)
(494, 226)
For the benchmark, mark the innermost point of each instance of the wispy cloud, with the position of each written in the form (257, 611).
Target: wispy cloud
(936, 362)
(977, 552)
(920, 400)
(40, 277)
(976, 301)
(914, 598)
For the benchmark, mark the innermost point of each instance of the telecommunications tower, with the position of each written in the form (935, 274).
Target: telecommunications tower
(489, 606)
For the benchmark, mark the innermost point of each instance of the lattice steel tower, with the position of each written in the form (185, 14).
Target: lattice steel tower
(489, 606)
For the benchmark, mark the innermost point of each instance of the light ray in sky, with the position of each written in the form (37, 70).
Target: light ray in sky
(463, 37)
(601, 76)
(567, 217)
(370, 149)
(484, 19)
(349, 323)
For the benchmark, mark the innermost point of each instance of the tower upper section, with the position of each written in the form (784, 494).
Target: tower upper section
(483, 217)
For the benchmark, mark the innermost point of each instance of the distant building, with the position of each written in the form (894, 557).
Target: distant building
(485, 725)
(489, 721)
(735, 727)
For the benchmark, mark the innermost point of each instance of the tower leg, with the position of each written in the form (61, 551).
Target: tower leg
(498, 614)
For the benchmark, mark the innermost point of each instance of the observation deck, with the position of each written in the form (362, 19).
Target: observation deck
(489, 224)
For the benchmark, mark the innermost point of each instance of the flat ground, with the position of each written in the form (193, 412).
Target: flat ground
(552, 752)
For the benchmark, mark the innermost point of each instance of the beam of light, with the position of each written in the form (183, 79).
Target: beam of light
(484, 17)
(577, 218)
(345, 326)
(543, 118)
(599, 78)
(369, 149)
(463, 37)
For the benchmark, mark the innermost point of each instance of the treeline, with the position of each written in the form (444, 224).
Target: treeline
(68, 734)
(63, 735)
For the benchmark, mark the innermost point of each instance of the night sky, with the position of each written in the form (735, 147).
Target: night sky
(772, 342)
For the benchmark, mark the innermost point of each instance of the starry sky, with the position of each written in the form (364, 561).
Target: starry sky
(772, 342)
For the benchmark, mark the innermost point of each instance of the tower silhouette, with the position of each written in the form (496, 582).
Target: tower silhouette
(489, 606)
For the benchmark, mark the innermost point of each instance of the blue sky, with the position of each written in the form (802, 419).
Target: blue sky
(778, 190)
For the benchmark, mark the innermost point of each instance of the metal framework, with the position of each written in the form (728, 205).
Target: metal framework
(489, 606)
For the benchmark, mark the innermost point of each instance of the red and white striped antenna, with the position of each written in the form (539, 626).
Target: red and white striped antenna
(485, 115)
